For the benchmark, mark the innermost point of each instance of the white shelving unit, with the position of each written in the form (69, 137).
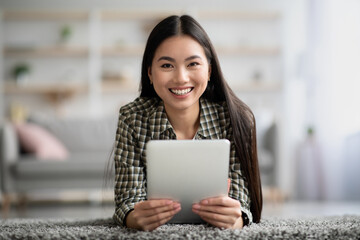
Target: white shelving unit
(110, 54)
(105, 51)
(21, 30)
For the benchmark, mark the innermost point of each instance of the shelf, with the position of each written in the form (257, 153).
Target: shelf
(238, 15)
(54, 92)
(254, 87)
(252, 51)
(122, 86)
(123, 51)
(114, 15)
(42, 15)
(57, 51)
(126, 51)
(116, 86)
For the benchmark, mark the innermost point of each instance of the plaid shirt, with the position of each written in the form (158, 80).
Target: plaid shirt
(145, 119)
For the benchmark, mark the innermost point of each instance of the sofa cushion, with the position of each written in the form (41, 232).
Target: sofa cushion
(37, 140)
(81, 134)
(78, 164)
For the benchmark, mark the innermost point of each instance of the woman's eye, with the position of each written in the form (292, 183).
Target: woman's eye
(166, 65)
(193, 64)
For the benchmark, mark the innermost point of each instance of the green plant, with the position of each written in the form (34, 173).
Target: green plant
(65, 33)
(21, 68)
(310, 131)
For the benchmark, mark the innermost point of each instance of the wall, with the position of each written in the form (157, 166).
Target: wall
(333, 58)
(267, 104)
(77, 69)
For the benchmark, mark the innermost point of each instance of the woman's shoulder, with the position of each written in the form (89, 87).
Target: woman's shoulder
(214, 107)
(141, 106)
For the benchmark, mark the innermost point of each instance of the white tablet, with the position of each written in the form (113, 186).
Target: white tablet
(187, 171)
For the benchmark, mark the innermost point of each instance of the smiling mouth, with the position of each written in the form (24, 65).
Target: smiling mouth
(181, 92)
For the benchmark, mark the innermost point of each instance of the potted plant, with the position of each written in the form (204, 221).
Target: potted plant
(65, 34)
(21, 73)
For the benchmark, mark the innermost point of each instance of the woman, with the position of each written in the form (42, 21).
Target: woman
(184, 96)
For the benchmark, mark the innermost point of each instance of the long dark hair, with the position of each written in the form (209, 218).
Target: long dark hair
(241, 117)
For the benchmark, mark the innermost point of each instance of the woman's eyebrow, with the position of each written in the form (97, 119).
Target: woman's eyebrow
(192, 57)
(170, 59)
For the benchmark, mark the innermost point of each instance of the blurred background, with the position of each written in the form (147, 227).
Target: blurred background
(66, 67)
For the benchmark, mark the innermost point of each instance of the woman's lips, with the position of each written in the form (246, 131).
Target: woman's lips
(182, 91)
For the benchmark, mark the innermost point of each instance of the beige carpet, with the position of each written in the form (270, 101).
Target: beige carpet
(336, 227)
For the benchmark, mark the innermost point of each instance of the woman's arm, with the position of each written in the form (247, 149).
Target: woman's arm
(132, 208)
(129, 171)
(239, 187)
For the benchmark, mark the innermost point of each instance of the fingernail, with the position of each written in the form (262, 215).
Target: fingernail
(196, 210)
(205, 202)
(196, 206)
(176, 205)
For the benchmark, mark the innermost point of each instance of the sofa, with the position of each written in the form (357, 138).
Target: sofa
(75, 153)
(58, 155)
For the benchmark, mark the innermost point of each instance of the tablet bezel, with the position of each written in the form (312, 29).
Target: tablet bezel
(187, 171)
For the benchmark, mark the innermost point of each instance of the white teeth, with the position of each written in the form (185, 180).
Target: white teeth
(180, 92)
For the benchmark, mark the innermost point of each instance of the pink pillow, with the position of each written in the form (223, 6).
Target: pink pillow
(43, 144)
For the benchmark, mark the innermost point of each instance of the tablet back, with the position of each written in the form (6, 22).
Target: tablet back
(187, 171)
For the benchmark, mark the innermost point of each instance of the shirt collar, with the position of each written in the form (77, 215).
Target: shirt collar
(209, 127)
(159, 123)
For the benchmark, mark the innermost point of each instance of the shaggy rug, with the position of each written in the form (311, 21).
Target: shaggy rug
(337, 227)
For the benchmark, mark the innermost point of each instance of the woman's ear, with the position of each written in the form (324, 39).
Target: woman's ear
(149, 75)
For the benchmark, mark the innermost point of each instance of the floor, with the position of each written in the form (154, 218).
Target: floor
(98, 210)
(311, 209)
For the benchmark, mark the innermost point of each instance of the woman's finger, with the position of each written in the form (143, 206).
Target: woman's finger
(221, 201)
(150, 204)
(161, 218)
(223, 211)
(150, 214)
(157, 210)
(218, 216)
(218, 209)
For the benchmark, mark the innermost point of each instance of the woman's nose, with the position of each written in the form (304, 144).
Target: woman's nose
(182, 76)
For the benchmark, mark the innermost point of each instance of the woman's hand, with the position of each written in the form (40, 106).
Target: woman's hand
(222, 212)
(150, 214)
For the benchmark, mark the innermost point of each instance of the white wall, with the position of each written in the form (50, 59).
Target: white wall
(335, 82)
(294, 39)
(153, 4)
(292, 36)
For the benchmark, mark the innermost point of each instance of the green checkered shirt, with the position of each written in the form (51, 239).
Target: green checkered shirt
(145, 119)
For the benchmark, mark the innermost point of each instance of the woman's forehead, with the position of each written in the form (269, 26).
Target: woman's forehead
(181, 46)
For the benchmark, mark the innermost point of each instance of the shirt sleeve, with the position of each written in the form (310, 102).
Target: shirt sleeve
(238, 187)
(129, 172)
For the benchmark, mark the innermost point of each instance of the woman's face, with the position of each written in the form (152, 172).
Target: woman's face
(180, 73)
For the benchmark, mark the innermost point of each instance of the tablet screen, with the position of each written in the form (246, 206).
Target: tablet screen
(187, 171)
